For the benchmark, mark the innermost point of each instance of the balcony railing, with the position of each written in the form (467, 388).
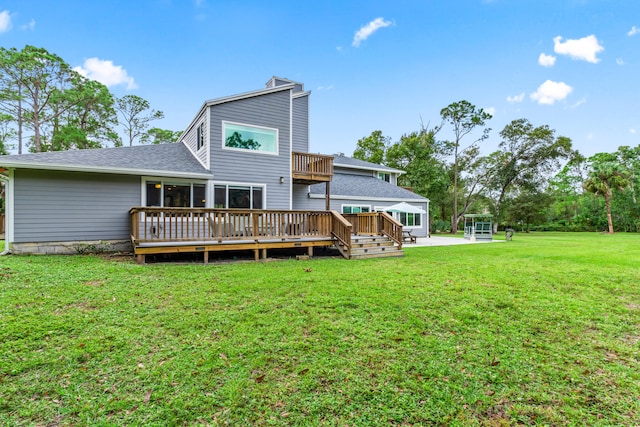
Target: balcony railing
(311, 168)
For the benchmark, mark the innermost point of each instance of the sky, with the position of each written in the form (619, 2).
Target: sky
(573, 65)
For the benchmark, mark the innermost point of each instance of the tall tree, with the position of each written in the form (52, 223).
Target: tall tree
(137, 115)
(36, 88)
(604, 177)
(160, 136)
(6, 133)
(464, 118)
(527, 207)
(526, 157)
(89, 122)
(421, 156)
(372, 148)
(567, 186)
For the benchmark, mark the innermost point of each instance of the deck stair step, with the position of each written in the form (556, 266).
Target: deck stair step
(373, 247)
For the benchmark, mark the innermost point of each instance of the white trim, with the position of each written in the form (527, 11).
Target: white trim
(237, 184)
(342, 206)
(385, 199)
(246, 150)
(8, 209)
(301, 94)
(164, 181)
(212, 102)
(102, 169)
(201, 118)
(291, 151)
(367, 168)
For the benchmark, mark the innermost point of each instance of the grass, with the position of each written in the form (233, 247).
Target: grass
(542, 330)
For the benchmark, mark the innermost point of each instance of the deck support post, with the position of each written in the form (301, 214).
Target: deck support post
(206, 257)
(256, 254)
(140, 259)
(310, 251)
(264, 253)
(327, 197)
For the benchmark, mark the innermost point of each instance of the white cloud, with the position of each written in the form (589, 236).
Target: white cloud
(633, 31)
(30, 26)
(546, 60)
(515, 99)
(363, 33)
(321, 88)
(632, 130)
(490, 110)
(549, 92)
(106, 73)
(5, 21)
(584, 49)
(579, 103)
(619, 61)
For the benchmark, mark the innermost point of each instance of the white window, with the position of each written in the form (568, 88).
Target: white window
(384, 176)
(170, 194)
(408, 219)
(354, 209)
(236, 136)
(238, 196)
(200, 136)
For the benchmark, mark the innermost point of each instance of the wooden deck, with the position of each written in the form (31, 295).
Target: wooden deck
(198, 230)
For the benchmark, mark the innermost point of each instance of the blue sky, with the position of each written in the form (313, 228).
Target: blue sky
(371, 65)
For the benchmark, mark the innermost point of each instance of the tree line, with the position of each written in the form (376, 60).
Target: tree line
(535, 180)
(45, 105)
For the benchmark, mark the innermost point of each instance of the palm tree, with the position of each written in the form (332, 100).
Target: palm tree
(603, 179)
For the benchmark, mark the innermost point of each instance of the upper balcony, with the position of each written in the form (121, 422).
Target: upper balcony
(311, 168)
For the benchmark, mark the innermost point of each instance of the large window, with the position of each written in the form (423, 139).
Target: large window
(175, 195)
(244, 137)
(238, 197)
(409, 219)
(354, 209)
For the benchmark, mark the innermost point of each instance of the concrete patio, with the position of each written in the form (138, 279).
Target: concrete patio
(443, 241)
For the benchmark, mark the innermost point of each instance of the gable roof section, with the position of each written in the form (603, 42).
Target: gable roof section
(217, 101)
(364, 188)
(173, 160)
(351, 163)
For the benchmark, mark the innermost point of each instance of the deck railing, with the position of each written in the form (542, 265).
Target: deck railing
(389, 227)
(342, 229)
(313, 167)
(154, 224)
(206, 228)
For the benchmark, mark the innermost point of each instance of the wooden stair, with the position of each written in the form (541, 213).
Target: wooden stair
(363, 247)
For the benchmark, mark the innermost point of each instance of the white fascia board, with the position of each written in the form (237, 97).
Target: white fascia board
(301, 94)
(380, 199)
(231, 98)
(104, 169)
(367, 168)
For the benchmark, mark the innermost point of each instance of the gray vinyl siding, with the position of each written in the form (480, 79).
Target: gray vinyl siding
(190, 140)
(251, 167)
(301, 200)
(301, 124)
(55, 206)
(360, 172)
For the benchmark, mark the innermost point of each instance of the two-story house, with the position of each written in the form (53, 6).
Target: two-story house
(240, 155)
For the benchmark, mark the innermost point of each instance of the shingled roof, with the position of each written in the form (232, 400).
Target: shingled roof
(365, 186)
(350, 162)
(164, 159)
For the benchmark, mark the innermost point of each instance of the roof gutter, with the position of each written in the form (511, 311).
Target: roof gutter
(103, 169)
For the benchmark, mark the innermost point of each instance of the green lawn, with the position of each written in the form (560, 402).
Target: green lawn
(542, 330)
